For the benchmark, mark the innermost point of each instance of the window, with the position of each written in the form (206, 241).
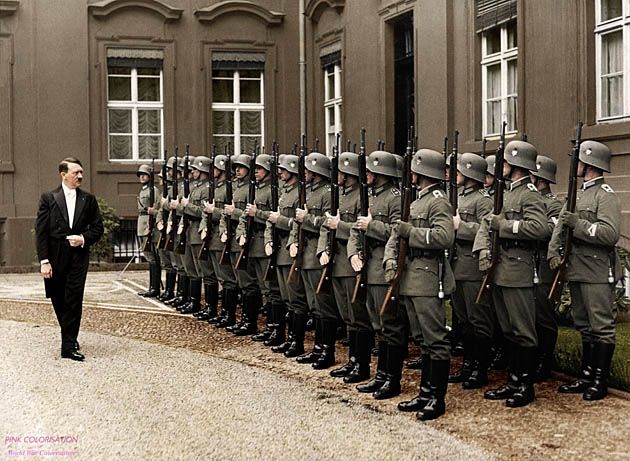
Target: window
(499, 81)
(612, 35)
(238, 100)
(135, 109)
(332, 104)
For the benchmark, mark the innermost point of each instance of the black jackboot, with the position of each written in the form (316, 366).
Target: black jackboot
(479, 375)
(297, 345)
(329, 337)
(361, 370)
(228, 304)
(602, 358)
(381, 370)
(511, 385)
(184, 298)
(178, 289)
(424, 394)
(586, 379)
(253, 303)
(283, 347)
(467, 363)
(546, 345)
(195, 298)
(279, 315)
(270, 324)
(391, 386)
(311, 357)
(211, 296)
(242, 301)
(524, 395)
(436, 405)
(154, 289)
(169, 289)
(352, 357)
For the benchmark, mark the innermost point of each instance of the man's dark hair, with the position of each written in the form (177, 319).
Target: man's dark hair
(63, 165)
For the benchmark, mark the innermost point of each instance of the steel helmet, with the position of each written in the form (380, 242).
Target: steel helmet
(201, 163)
(318, 163)
(349, 163)
(264, 161)
(429, 163)
(595, 154)
(220, 162)
(491, 161)
(242, 160)
(182, 160)
(521, 154)
(472, 166)
(289, 162)
(545, 169)
(382, 162)
(144, 169)
(170, 162)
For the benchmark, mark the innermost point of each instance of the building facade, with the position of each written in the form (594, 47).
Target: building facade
(118, 82)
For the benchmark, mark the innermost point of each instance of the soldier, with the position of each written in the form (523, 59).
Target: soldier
(427, 277)
(593, 268)
(192, 209)
(292, 294)
(209, 230)
(384, 211)
(476, 321)
(145, 209)
(258, 261)
(354, 314)
(546, 325)
(521, 223)
(251, 296)
(322, 305)
(165, 255)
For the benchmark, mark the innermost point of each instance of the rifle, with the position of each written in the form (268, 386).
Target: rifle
(229, 231)
(360, 285)
(297, 262)
(445, 154)
(275, 193)
(163, 235)
(204, 251)
(249, 225)
(172, 218)
(326, 278)
(391, 298)
(185, 222)
(452, 187)
(558, 281)
(148, 244)
(483, 297)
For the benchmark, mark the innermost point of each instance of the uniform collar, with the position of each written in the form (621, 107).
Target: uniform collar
(349, 189)
(383, 188)
(469, 190)
(316, 186)
(593, 182)
(289, 187)
(145, 186)
(262, 185)
(519, 182)
(428, 189)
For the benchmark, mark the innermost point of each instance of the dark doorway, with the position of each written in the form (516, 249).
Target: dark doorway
(404, 115)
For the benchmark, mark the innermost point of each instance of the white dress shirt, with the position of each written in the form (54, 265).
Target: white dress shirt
(71, 202)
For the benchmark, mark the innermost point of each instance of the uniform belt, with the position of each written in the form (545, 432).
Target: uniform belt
(374, 244)
(464, 243)
(282, 233)
(508, 244)
(418, 253)
(143, 213)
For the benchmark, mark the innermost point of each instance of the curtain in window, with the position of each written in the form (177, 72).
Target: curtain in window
(612, 74)
(491, 13)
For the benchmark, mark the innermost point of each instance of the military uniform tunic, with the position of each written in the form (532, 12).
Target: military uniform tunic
(164, 210)
(193, 211)
(144, 203)
(513, 294)
(593, 266)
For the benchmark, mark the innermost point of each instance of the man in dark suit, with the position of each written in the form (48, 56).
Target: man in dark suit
(68, 223)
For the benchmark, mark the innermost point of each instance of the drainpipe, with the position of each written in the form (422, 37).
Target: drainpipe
(302, 69)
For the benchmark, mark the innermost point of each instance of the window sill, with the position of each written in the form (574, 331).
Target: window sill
(114, 167)
(607, 131)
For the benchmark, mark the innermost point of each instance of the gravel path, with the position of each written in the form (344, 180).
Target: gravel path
(137, 400)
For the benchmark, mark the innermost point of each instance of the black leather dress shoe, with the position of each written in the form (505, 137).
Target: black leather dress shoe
(73, 355)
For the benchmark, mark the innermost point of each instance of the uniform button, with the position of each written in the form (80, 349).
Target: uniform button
(426, 267)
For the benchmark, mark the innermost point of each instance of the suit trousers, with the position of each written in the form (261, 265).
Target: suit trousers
(591, 309)
(516, 311)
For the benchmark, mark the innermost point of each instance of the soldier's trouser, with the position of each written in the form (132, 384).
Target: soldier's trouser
(545, 318)
(354, 314)
(374, 300)
(268, 287)
(591, 309)
(165, 260)
(309, 288)
(475, 319)
(207, 272)
(178, 263)
(325, 299)
(150, 256)
(516, 311)
(431, 316)
(394, 325)
(191, 263)
(414, 326)
(225, 272)
(294, 289)
(246, 277)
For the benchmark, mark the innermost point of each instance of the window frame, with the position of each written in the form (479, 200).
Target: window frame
(603, 28)
(135, 105)
(237, 107)
(503, 57)
(336, 103)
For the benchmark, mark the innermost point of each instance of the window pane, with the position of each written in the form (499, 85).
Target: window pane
(512, 84)
(512, 37)
(119, 70)
(331, 85)
(120, 120)
(331, 116)
(248, 143)
(249, 74)
(251, 122)
(120, 147)
(222, 122)
(222, 90)
(250, 91)
(149, 121)
(223, 73)
(148, 147)
(494, 116)
(612, 49)
(512, 113)
(493, 40)
(493, 81)
(119, 88)
(222, 141)
(610, 9)
(148, 89)
(148, 71)
(612, 96)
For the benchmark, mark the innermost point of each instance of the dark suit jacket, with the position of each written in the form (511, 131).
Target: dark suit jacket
(52, 226)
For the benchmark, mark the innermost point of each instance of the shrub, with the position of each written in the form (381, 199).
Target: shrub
(103, 250)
